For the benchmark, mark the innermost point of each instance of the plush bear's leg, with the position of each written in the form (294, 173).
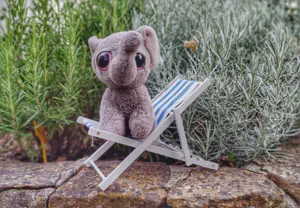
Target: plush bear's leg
(112, 121)
(141, 123)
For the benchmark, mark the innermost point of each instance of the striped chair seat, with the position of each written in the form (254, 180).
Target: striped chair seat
(169, 99)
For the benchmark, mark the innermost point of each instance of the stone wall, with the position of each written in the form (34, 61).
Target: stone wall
(70, 184)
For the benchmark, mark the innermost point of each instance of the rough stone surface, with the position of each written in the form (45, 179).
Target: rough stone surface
(70, 184)
(227, 187)
(290, 203)
(141, 185)
(292, 147)
(70, 171)
(285, 170)
(30, 175)
(286, 176)
(177, 173)
(19, 198)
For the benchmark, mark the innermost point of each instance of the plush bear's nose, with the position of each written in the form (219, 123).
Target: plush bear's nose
(130, 42)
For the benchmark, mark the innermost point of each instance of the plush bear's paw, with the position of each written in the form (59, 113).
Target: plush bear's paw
(113, 123)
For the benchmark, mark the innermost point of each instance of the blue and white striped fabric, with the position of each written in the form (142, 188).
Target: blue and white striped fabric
(172, 97)
(88, 124)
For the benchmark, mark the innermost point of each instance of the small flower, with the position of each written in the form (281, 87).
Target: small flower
(191, 45)
(293, 5)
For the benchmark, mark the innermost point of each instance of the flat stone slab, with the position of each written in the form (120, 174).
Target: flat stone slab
(286, 176)
(34, 175)
(20, 198)
(70, 171)
(141, 185)
(292, 147)
(285, 170)
(178, 173)
(227, 187)
(290, 203)
(284, 173)
(70, 184)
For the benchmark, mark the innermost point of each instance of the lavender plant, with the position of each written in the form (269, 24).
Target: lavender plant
(245, 48)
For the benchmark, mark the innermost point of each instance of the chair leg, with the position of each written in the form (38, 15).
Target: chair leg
(99, 153)
(127, 161)
(182, 137)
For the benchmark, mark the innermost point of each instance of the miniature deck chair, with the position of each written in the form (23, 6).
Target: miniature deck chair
(168, 106)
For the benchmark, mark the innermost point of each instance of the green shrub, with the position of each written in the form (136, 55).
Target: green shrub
(245, 48)
(45, 68)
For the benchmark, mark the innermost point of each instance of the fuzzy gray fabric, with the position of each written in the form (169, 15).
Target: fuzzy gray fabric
(126, 107)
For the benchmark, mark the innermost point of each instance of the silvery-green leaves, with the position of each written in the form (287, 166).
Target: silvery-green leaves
(245, 47)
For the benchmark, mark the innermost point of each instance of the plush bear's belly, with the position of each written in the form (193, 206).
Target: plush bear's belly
(127, 100)
(126, 106)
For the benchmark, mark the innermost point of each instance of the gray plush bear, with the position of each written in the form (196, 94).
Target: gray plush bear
(123, 62)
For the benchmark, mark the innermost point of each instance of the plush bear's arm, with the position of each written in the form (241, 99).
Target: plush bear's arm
(142, 119)
(111, 119)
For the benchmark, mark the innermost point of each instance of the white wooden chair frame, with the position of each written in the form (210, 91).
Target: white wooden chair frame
(151, 143)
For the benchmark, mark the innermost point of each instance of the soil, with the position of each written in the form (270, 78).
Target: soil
(74, 143)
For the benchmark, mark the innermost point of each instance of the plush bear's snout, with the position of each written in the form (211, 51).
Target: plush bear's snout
(124, 70)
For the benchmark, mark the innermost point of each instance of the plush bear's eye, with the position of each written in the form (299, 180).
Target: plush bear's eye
(103, 60)
(140, 61)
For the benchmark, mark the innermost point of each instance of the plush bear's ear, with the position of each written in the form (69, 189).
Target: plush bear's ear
(93, 42)
(151, 44)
